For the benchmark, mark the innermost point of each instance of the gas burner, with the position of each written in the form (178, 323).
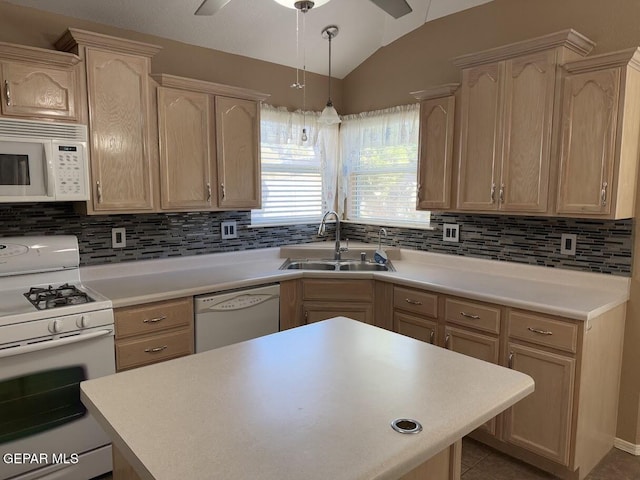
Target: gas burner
(52, 297)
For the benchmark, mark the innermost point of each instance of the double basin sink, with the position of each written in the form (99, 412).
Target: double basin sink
(337, 265)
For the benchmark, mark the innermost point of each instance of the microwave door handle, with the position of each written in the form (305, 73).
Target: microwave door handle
(50, 169)
(34, 347)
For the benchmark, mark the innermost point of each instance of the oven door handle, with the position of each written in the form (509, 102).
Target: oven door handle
(34, 347)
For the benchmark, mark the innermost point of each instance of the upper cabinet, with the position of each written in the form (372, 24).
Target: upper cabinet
(238, 141)
(209, 145)
(435, 163)
(600, 132)
(508, 99)
(38, 83)
(119, 105)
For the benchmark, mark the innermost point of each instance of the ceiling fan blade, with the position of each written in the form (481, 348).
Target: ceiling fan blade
(395, 8)
(209, 7)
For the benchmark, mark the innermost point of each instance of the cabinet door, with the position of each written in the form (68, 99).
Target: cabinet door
(238, 147)
(528, 113)
(415, 327)
(541, 422)
(38, 91)
(476, 345)
(589, 119)
(118, 92)
(436, 153)
(184, 124)
(480, 137)
(317, 311)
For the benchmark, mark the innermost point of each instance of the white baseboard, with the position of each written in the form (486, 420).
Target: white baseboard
(625, 446)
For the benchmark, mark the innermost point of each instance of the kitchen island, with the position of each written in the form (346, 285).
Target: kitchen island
(314, 402)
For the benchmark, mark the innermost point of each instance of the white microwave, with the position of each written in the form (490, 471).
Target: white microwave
(43, 161)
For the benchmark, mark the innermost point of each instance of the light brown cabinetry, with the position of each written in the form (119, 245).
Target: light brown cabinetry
(123, 149)
(238, 146)
(187, 162)
(568, 424)
(508, 97)
(435, 162)
(600, 130)
(153, 332)
(322, 299)
(209, 145)
(38, 83)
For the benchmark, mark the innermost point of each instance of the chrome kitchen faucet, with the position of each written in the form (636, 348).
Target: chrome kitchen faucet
(321, 233)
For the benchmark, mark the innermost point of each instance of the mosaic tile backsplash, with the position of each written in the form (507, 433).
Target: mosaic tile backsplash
(602, 246)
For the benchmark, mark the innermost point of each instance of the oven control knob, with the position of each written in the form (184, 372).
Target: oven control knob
(55, 326)
(82, 322)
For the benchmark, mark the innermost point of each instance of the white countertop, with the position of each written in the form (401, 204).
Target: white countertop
(313, 402)
(566, 293)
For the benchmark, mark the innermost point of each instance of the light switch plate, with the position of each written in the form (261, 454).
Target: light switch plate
(228, 230)
(568, 244)
(118, 237)
(451, 232)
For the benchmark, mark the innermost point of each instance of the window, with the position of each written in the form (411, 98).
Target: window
(297, 181)
(380, 161)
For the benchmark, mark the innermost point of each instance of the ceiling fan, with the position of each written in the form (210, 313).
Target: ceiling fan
(395, 8)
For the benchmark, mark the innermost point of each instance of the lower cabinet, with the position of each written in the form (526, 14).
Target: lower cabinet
(442, 466)
(541, 422)
(153, 332)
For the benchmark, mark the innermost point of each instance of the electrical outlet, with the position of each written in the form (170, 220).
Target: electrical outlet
(451, 232)
(228, 230)
(568, 244)
(118, 237)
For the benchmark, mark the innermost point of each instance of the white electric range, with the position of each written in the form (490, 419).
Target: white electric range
(54, 333)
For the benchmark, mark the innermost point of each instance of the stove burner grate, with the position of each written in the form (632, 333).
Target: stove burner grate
(52, 297)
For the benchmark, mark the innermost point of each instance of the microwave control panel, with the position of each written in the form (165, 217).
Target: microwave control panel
(70, 165)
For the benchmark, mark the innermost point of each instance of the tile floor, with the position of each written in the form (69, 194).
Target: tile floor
(480, 462)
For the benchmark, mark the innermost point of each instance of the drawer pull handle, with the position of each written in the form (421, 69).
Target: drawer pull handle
(603, 193)
(469, 315)
(447, 339)
(541, 332)
(156, 349)
(432, 336)
(154, 320)
(510, 359)
(493, 193)
(413, 302)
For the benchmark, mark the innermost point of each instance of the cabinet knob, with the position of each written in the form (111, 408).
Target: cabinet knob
(510, 359)
(7, 92)
(603, 193)
(432, 337)
(306, 317)
(447, 341)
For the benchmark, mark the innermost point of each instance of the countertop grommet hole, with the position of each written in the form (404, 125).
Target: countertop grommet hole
(406, 425)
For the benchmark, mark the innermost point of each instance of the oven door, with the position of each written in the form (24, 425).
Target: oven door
(40, 408)
(26, 172)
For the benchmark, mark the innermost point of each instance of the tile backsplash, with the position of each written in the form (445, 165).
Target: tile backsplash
(602, 246)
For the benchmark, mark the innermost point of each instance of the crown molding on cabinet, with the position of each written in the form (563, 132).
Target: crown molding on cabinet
(623, 58)
(570, 39)
(50, 58)
(436, 92)
(211, 88)
(74, 37)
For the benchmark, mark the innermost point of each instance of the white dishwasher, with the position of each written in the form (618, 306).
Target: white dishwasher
(234, 316)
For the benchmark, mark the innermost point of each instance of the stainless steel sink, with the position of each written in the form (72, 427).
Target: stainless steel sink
(336, 265)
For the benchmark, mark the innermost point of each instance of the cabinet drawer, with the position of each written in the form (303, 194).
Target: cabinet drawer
(154, 348)
(535, 328)
(153, 317)
(335, 289)
(415, 301)
(475, 315)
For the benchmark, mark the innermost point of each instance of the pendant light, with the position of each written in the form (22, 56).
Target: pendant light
(302, 7)
(329, 115)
